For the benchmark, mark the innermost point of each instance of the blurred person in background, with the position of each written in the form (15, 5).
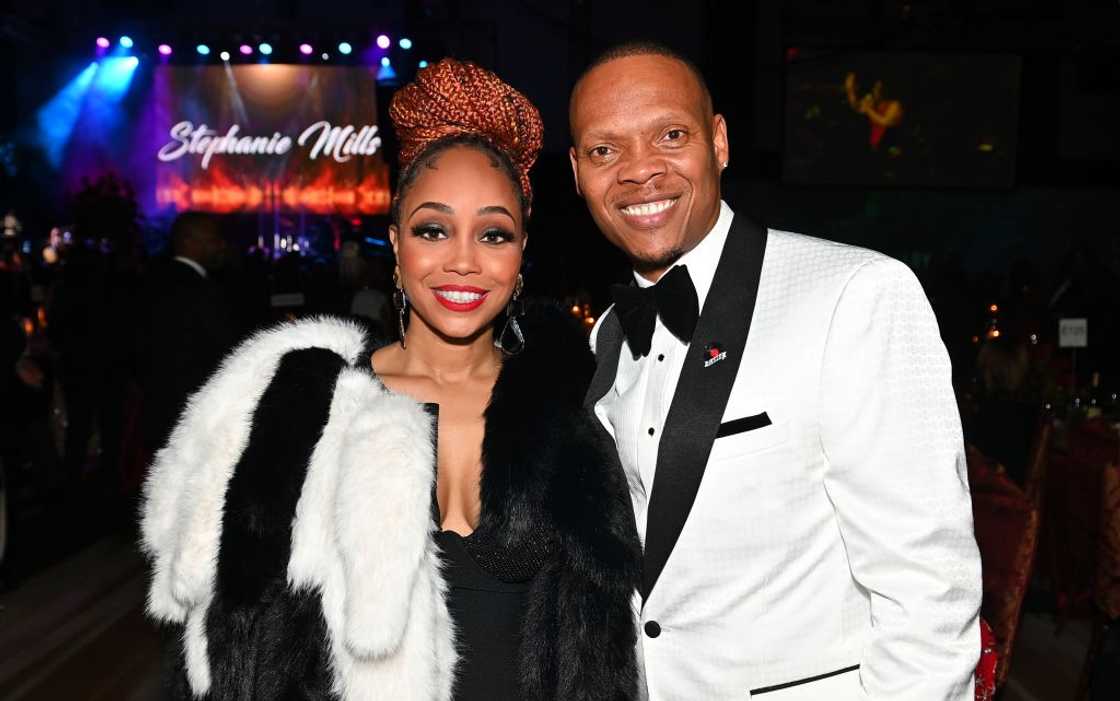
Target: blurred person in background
(372, 302)
(82, 336)
(188, 326)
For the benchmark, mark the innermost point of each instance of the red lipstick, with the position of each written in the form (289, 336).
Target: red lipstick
(460, 298)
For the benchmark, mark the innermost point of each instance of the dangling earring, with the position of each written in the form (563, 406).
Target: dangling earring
(511, 325)
(400, 303)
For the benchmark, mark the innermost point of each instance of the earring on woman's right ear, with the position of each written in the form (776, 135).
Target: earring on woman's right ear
(400, 303)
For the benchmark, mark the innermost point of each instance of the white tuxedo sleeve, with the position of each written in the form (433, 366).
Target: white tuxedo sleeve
(897, 480)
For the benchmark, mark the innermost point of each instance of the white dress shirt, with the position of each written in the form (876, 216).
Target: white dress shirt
(192, 264)
(634, 411)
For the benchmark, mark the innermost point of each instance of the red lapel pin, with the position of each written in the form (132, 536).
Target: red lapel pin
(713, 354)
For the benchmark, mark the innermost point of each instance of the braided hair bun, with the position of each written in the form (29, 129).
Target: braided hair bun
(457, 98)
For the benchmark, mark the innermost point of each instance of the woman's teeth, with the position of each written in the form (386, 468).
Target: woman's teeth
(459, 297)
(648, 209)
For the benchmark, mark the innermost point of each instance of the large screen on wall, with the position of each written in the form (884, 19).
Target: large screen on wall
(900, 118)
(246, 138)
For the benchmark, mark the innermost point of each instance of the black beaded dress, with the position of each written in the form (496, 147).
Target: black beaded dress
(487, 594)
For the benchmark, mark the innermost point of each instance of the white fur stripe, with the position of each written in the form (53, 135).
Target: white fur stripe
(184, 493)
(388, 465)
(361, 532)
(195, 650)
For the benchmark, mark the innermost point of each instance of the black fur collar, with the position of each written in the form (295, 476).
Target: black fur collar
(549, 467)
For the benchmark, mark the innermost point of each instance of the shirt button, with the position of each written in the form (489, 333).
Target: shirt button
(651, 431)
(652, 629)
(660, 357)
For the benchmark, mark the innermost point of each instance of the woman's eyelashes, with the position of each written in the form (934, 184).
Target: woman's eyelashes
(497, 235)
(436, 232)
(429, 232)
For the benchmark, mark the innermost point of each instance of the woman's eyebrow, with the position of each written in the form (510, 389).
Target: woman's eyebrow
(438, 206)
(495, 209)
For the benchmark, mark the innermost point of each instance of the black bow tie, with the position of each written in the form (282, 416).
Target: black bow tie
(673, 298)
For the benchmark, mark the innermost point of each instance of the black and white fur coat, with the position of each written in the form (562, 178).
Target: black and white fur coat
(289, 526)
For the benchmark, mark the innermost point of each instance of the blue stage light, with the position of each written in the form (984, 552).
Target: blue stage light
(265, 49)
(405, 43)
(344, 48)
(386, 73)
(126, 42)
(422, 64)
(203, 49)
(114, 77)
(56, 119)
(384, 60)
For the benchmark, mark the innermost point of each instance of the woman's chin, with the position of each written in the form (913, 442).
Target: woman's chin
(461, 331)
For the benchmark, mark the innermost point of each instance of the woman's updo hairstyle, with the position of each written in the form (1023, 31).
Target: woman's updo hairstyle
(457, 103)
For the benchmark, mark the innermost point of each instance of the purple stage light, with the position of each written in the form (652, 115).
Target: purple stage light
(383, 41)
(246, 50)
(102, 42)
(305, 49)
(164, 50)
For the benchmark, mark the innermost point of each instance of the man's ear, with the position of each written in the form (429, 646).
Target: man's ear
(575, 168)
(719, 140)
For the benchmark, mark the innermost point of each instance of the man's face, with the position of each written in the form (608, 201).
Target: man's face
(647, 157)
(211, 249)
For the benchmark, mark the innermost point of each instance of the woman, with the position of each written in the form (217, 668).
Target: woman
(355, 557)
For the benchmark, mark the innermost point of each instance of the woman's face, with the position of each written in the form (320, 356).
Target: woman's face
(460, 243)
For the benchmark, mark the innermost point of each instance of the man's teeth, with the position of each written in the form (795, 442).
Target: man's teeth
(648, 209)
(460, 297)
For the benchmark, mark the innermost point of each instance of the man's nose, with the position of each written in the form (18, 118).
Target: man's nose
(641, 166)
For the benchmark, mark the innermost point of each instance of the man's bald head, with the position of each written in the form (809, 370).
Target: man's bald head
(643, 48)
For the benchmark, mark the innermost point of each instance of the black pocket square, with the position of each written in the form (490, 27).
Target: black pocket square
(748, 423)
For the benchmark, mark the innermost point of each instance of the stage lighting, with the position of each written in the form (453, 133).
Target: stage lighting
(305, 49)
(126, 42)
(422, 64)
(326, 56)
(57, 119)
(344, 48)
(383, 41)
(246, 50)
(164, 50)
(405, 43)
(224, 55)
(132, 62)
(384, 60)
(386, 73)
(265, 48)
(102, 42)
(202, 49)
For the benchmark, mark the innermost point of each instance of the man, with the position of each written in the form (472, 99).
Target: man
(794, 454)
(189, 327)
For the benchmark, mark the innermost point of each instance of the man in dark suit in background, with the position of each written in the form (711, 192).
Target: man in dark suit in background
(189, 326)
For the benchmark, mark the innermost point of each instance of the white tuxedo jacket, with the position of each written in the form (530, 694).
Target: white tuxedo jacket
(821, 547)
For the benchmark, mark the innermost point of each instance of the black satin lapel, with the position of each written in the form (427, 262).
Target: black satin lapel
(608, 344)
(702, 393)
